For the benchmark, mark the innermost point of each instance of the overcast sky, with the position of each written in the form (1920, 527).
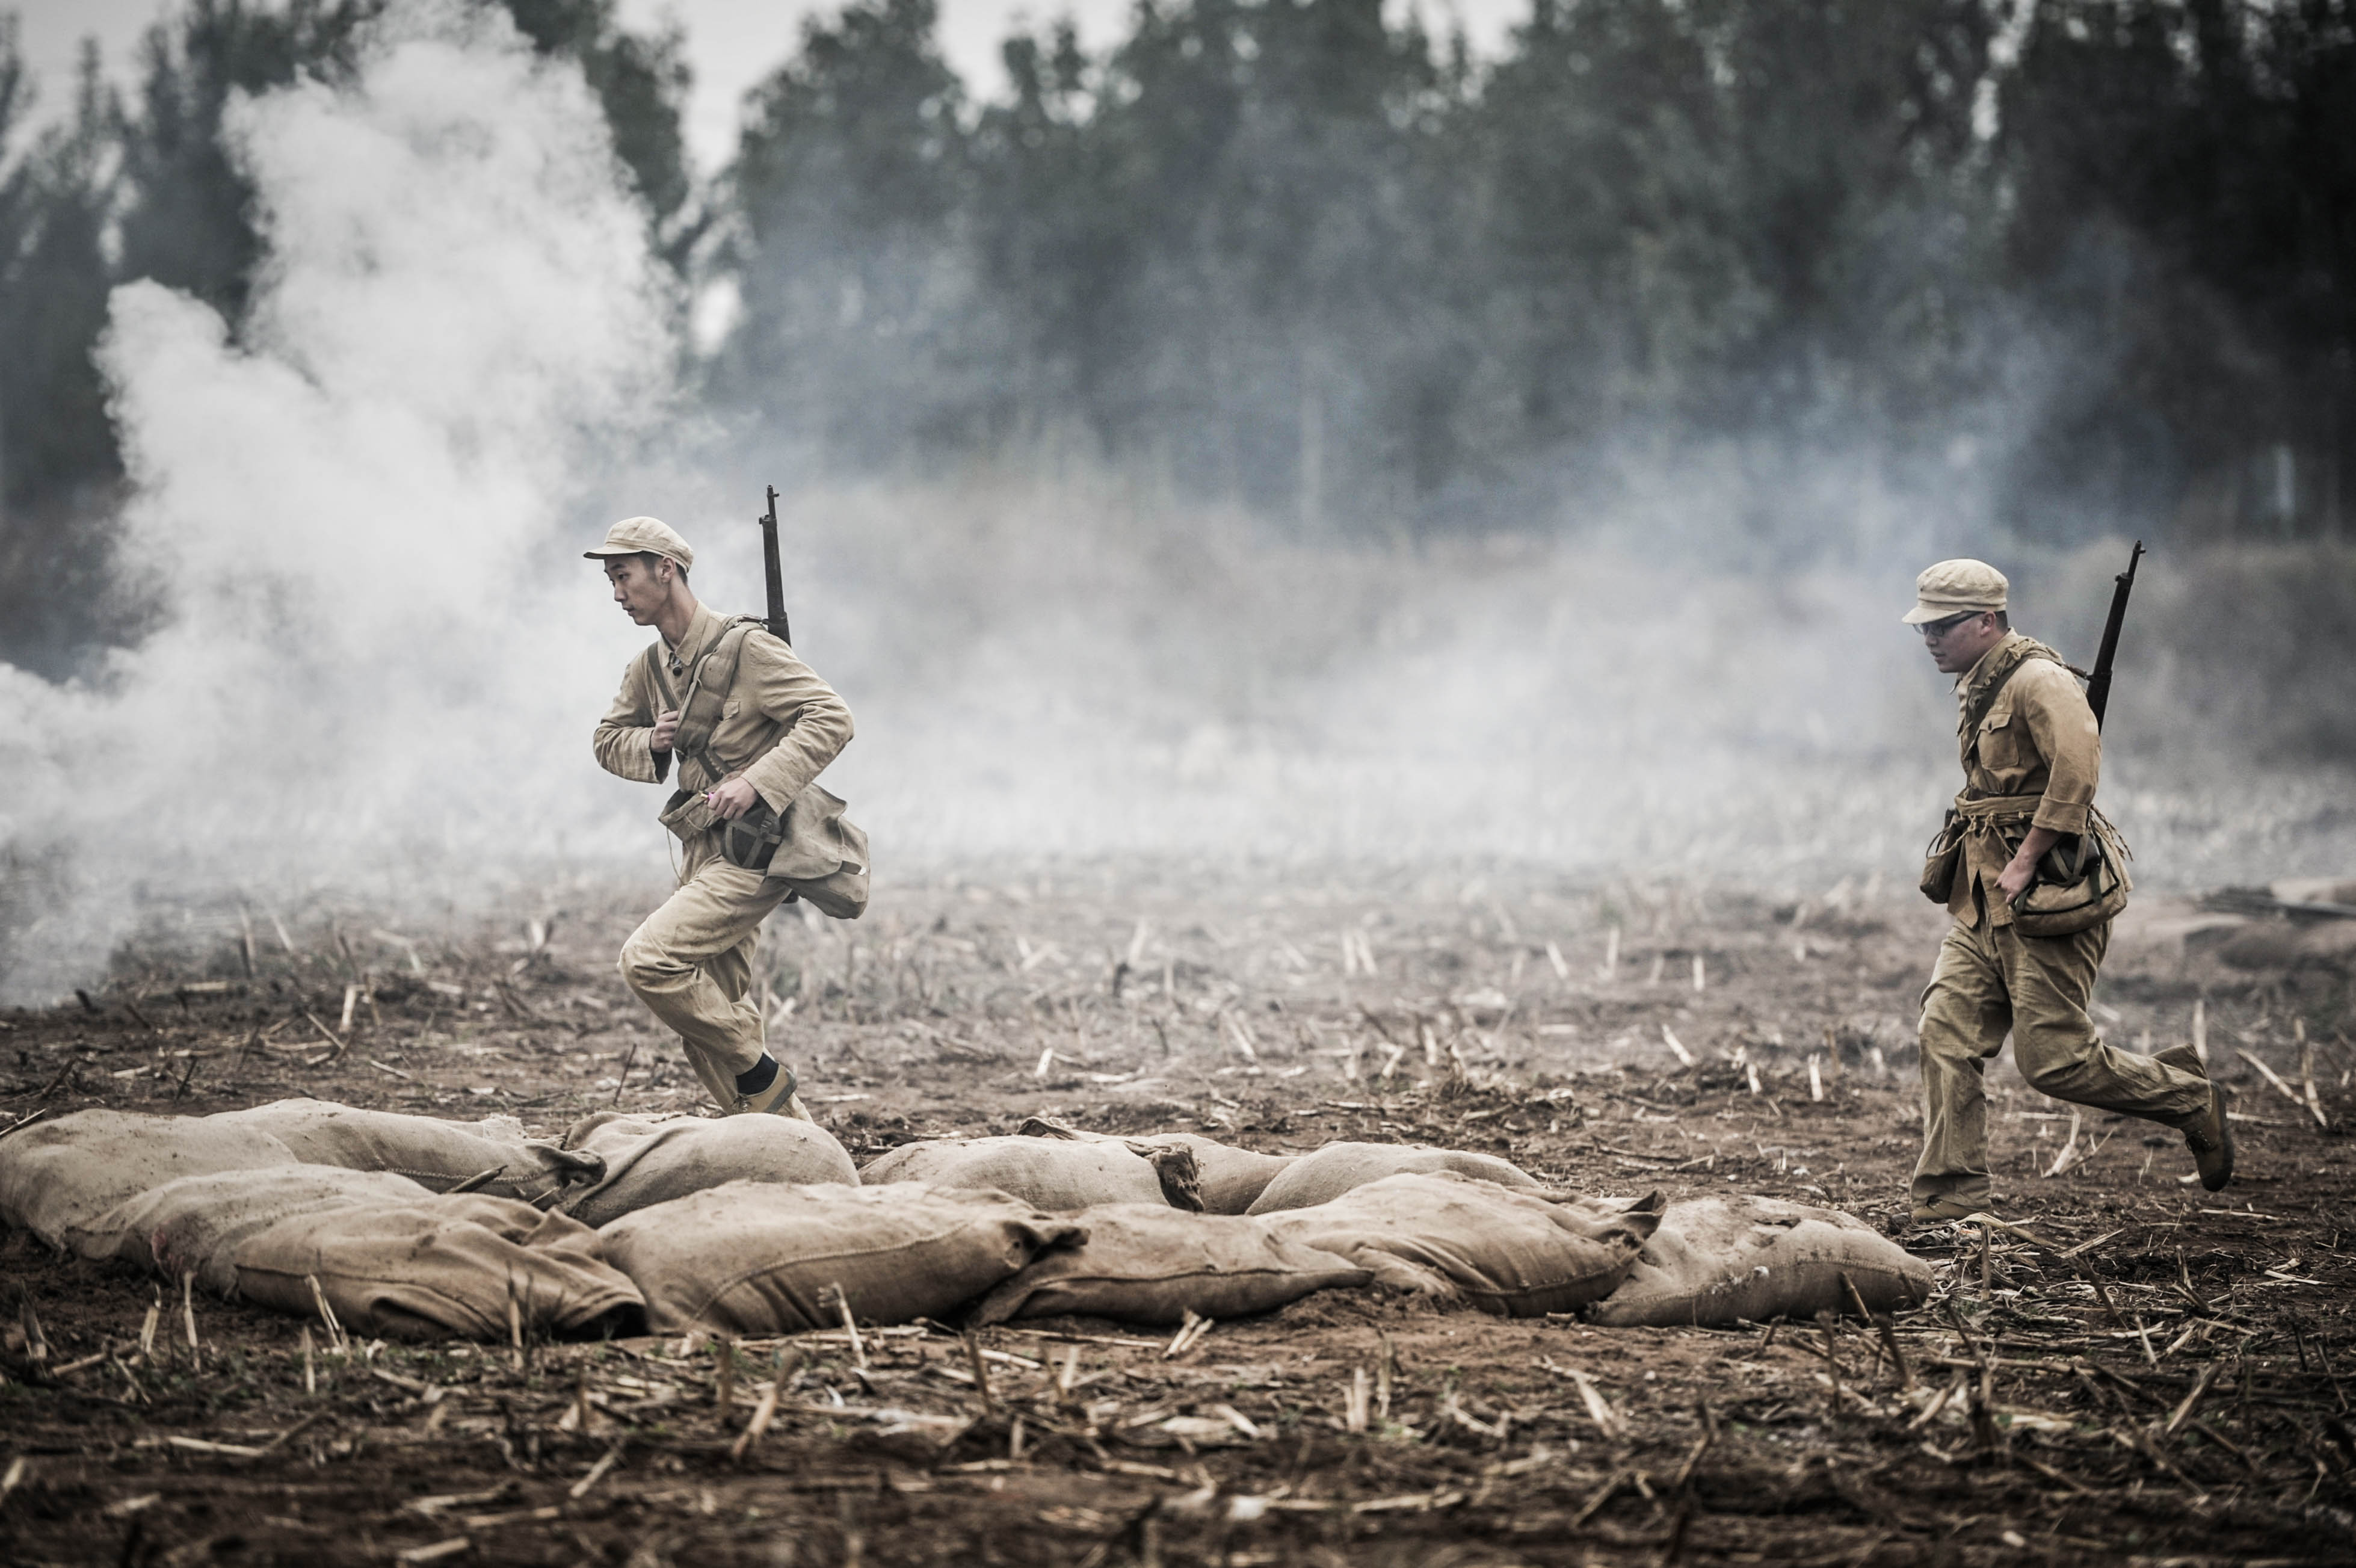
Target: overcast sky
(732, 44)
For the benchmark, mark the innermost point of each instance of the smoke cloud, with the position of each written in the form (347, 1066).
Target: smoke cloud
(367, 665)
(383, 654)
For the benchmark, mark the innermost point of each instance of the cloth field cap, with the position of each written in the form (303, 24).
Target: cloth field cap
(1955, 587)
(643, 535)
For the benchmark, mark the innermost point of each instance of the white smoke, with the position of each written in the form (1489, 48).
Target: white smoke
(367, 662)
(384, 654)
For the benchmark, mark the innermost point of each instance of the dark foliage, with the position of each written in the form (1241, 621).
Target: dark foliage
(2100, 268)
(1291, 256)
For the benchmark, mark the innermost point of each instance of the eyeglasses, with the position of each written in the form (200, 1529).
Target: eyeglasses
(1932, 630)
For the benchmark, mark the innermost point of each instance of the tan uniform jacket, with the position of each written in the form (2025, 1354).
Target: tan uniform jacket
(2039, 738)
(780, 726)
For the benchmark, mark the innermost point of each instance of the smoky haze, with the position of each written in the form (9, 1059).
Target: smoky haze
(379, 654)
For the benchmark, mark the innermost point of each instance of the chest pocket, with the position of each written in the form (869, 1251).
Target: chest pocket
(2001, 742)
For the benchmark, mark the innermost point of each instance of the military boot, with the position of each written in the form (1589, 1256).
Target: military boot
(1940, 1211)
(2210, 1139)
(777, 1100)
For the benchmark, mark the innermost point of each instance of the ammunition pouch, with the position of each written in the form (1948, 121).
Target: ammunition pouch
(1942, 857)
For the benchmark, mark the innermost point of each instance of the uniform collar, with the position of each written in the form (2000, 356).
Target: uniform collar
(701, 629)
(1966, 683)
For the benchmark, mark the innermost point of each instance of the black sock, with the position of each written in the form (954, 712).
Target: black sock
(757, 1077)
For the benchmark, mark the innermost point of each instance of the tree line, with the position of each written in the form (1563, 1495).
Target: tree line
(2089, 262)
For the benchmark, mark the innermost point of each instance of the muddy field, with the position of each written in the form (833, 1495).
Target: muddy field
(2151, 1373)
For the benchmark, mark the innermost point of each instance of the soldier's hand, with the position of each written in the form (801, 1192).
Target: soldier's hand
(732, 798)
(666, 727)
(2015, 878)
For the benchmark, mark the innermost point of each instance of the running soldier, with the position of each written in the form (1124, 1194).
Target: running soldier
(752, 726)
(2032, 876)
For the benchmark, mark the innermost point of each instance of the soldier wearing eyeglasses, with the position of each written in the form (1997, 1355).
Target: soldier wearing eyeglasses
(2032, 754)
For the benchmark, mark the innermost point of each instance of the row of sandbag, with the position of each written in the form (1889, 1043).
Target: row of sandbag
(404, 1225)
(285, 1200)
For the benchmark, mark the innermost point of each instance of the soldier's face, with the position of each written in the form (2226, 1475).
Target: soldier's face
(1957, 642)
(639, 589)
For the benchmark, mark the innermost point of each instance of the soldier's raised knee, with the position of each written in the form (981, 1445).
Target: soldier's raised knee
(642, 965)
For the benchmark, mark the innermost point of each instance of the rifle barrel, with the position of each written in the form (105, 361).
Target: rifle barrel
(2098, 684)
(779, 626)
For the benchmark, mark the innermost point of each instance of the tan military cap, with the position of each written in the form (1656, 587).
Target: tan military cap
(1953, 588)
(642, 535)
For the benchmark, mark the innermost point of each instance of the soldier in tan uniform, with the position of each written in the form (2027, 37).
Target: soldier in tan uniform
(752, 726)
(2032, 755)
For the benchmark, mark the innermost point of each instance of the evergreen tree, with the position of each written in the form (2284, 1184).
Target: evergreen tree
(863, 339)
(57, 448)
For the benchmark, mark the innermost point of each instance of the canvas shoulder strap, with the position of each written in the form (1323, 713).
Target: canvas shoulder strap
(655, 681)
(708, 686)
(1983, 702)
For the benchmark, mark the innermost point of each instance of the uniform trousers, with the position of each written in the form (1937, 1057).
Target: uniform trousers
(1990, 980)
(690, 962)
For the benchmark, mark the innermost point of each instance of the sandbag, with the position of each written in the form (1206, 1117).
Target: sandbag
(1062, 1176)
(435, 1153)
(1227, 1179)
(1510, 1251)
(440, 1265)
(1337, 1168)
(647, 1162)
(193, 1225)
(1147, 1262)
(757, 1258)
(1715, 1260)
(55, 1177)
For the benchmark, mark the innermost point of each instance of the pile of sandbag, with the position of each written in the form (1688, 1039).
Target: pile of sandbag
(410, 1226)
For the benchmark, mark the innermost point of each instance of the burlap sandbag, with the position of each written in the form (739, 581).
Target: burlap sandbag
(1227, 1179)
(437, 1266)
(1147, 1262)
(194, 1225)
(648, 1163)
(58, 1177)
(1337, 1168)
(1060, 1176)
(1510, 1251)
(757, 1258)
(435, 1153)
(1715, 1260)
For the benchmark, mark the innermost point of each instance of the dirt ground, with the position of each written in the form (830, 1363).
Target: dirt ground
(2153, 1373)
